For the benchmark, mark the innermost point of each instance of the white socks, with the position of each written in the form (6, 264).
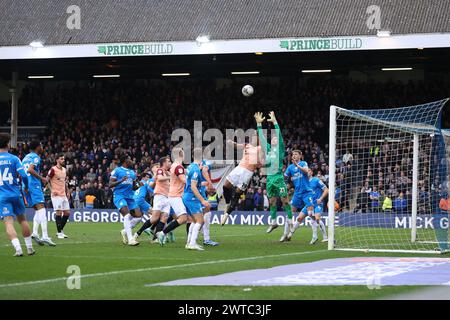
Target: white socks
(127, 225)
(135, 221)
(314, 225)
(42, 213)
(207, 219)
(323, 229)
(36, 223)
(28, 243)
(16, 244)
(195, 230)
(314, 228)
(191, 227)
(40, 219)
(286, 225)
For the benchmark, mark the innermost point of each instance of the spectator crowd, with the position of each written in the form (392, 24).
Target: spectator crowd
(93, 122)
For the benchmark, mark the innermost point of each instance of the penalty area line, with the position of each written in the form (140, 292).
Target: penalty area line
(111, 273)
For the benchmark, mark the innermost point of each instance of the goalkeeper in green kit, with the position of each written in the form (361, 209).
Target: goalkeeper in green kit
(273, 165)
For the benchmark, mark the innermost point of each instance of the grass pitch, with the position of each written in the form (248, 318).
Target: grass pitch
(111, 270)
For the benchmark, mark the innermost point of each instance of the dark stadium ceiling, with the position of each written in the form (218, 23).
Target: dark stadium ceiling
(220, 66)
(108, 21)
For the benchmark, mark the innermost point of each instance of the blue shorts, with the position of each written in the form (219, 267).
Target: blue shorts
(143, 205)
(193, 205)
(318, 208)
(34, 196)
(11, 207)
(121, 202)
(302, 200)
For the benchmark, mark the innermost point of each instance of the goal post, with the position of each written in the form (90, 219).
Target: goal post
(332, 178)
(415, 182)
(442, 234)
(387, 172)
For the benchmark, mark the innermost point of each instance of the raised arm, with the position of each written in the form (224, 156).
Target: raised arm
(236, 145)
(263, 141)
(280, 136)
(277, 129)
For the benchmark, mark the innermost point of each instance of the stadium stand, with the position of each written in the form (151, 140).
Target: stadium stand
(91, 123)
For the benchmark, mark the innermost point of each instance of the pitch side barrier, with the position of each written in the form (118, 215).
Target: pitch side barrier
(255, 218)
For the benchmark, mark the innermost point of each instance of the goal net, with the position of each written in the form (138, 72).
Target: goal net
(389, 173)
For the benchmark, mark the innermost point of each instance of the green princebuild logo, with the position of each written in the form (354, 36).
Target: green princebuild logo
(135, 49)
(322, 44)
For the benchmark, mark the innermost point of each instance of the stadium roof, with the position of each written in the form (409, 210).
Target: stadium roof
(114, 21)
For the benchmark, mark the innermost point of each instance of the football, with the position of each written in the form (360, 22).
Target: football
(247, 90)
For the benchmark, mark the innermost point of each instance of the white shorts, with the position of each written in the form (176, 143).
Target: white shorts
(240, 177)
(60, 203)
(176, 203)
(161, 203)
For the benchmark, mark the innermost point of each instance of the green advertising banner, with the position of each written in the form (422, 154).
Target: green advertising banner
(136, 49)
(322, 44)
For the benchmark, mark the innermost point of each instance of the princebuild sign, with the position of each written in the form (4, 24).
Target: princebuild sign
(217, 46)
(322, 44)
(136, 49)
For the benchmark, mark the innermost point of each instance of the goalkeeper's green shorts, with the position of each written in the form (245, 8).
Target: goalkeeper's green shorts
(276, 187)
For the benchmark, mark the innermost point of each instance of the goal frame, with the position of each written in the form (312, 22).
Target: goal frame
(332, 189)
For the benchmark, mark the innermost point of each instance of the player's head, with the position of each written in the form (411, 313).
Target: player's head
(4, 140)
(125, 161)
(36, 146)
(165, 163)
(296, 155)
(154, 168)
(310, 173)
(60, 159)
(178, 154)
